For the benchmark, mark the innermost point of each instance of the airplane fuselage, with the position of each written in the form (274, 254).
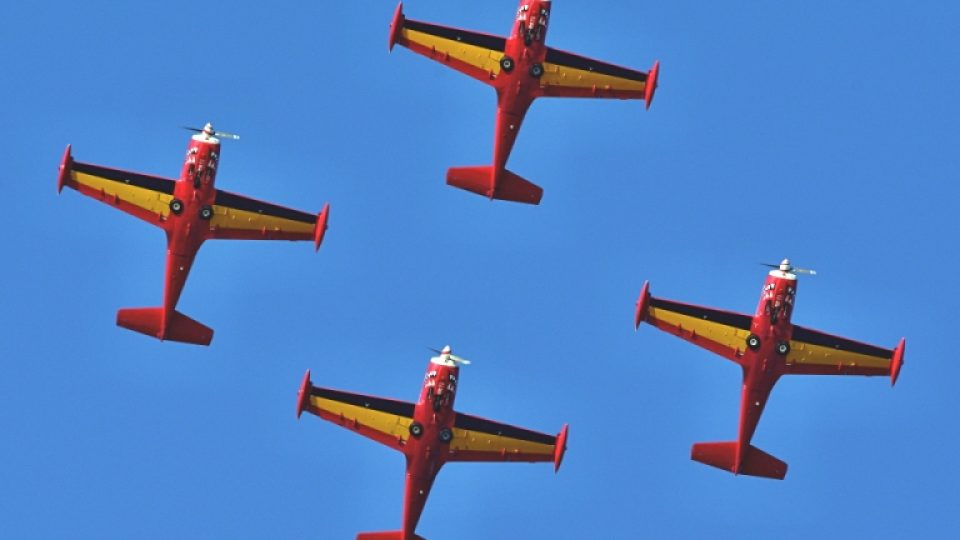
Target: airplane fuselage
(764, 360)
(190, 210)
(518, 86)
(426, 452)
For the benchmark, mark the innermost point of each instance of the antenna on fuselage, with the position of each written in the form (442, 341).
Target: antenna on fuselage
(210, 132)
(445, 354)
(788, 268)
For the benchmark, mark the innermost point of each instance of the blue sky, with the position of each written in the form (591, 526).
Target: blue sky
(822, 132)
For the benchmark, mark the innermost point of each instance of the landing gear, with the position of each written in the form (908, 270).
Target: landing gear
(416, 429)
(506, 64)
(536, 71)
(176, 206)
(783, 348)
(206, 212)
(753, 342)
(446, 435)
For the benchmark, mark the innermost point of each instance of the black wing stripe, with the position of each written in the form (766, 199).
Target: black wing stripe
(736, 320)
(841, 344)
(152, 183)
(579, 62)
(399, 408)
(465, 421)
(480, 40)
(226, 198)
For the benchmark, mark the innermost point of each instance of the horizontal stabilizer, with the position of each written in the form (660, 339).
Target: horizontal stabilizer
(387, 535)
(754, 462)
(482, 181)
(179, 327)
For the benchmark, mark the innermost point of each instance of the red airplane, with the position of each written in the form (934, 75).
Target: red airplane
(766, 346)
(429, 433)
(190, 210)
(521, 68)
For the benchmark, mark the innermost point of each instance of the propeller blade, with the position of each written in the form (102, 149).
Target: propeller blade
(188, 128)
(804, 271)
(225, 135)
(459, 360)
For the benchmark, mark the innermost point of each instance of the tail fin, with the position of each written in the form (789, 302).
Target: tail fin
(482, 181)
(149, 321)
(754, 462)
(387, 535)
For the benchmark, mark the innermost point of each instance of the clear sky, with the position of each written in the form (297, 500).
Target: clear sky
(826, 132)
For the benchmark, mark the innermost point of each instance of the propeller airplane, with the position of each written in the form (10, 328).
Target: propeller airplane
(190, 211)
(767, 346)
(429, 433)
(520, 68)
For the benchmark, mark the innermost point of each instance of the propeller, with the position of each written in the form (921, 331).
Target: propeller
(785, 266)
(208, 129)
(446, 352)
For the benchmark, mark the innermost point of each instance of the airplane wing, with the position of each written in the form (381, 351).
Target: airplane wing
(236, 217)
(475, 54)
(144, 196)
(478, 439)
(386, 421)
(817, 353)
(721, 332)
(570, 75)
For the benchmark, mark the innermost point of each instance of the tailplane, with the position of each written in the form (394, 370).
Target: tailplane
(179, 327)
(387, 535)
(508, 187)
(754, 462)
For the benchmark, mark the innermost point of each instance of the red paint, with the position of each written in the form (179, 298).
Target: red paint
(516, 90)
(64, 169)
(395, 26)
(186, 231)
(651, 87)
(642, 303)
(561, 448)
(321, 229)
(425, 454)
(303, 395)
(762, 368)
(897, 361)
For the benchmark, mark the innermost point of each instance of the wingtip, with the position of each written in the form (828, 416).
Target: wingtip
(320, 230)
(304, 393)
(561, 448)
(395, 26)
(640, 312)
(897, 362)
(652, 82)
(64, 168)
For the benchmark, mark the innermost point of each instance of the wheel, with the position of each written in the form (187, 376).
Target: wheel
(506, 64)
(416, 429)
(753, 341)
(783, 348)
(446, 435)
(176, 206)
(206, 212)
(536, 71)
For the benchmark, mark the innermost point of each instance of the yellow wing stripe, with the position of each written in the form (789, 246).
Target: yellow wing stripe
(391, 424)
(558, 75)
(474, 441)
(723, 334)
(809, 354)
(225, 217)
(148, 199)
(480, 57)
